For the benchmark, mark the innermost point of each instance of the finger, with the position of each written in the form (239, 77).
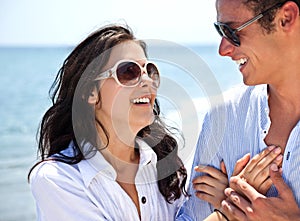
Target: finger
(266, 161)
(211, 181)
(278, 160)
(265, 186)
(203, 188)
(257, 180)
(258, 157)
(231, 211)
(245, 188)
(283, 189)
(223, 167)
(240, 164)
(238, 200)
(214, 199)
(263, 177)
(206, 197)
(212, 172)
(211, 190)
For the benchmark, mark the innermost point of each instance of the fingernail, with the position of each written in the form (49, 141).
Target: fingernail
(277, 150)
(199, 167)
(228, 191)
(279, 157)
(225, 206)
(271, 147)
(274, 167)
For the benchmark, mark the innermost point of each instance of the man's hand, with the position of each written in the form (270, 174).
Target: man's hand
(255, 206)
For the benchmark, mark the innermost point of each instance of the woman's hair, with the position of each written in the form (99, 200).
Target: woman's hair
(258, 6)
(70, 118)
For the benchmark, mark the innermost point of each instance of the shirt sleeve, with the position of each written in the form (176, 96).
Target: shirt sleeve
(60, 194)
(206, 153)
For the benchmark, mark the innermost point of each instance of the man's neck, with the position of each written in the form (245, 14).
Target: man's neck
(285, 98)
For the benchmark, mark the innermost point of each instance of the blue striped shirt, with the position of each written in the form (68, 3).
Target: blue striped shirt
(229, 132)
(88, 191)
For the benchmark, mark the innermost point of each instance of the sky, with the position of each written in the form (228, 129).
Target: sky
(67, 22)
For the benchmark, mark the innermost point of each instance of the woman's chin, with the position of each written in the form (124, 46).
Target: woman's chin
(138, 125)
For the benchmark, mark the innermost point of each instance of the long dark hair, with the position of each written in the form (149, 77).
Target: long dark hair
(71, 89)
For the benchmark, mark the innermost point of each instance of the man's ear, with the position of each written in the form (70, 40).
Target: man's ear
(93, 96)
(289, 15)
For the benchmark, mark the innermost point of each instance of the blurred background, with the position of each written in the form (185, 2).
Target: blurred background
(37, 35)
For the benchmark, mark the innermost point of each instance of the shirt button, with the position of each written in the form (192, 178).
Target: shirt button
(144, 200)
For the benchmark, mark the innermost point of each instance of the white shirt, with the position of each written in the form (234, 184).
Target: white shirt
(88, 191)
(232, 130)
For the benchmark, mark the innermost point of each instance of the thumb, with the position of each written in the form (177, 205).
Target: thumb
(283, 189)
(240, 164)
(223, 167)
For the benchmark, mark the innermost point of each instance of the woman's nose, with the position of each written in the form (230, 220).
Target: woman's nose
(145, 79)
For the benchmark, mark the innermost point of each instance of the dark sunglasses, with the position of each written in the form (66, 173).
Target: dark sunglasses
(128, 73)
(230, 34)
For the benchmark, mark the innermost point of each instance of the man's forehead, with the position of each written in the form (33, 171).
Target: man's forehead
(230, 11)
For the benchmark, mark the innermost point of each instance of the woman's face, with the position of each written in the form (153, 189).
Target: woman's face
(119, 109)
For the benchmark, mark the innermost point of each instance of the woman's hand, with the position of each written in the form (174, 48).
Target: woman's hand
(210, 187)
(256, 172)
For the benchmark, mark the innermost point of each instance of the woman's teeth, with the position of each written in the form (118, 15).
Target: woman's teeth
(141, 100)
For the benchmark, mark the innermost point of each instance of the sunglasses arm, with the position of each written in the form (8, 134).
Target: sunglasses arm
(259, 16)
(249, 22)
(104, 75)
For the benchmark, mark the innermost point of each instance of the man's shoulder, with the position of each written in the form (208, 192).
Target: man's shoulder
(244, 96)
(239, 93)
(239, 99)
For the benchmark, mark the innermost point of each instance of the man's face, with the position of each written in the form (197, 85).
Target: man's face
(255, 55)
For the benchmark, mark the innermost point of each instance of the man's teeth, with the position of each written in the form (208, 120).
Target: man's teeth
(141, 100)
(241, 61)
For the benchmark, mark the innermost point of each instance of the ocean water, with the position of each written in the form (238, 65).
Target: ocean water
(26, 75)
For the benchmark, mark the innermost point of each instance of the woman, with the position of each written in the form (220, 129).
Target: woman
(105, 153)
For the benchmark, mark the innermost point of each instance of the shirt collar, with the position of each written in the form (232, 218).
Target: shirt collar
(264, 119)
(96, 164)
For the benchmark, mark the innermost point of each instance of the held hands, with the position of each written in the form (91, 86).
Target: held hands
(256, 172)
(257, 207)
(210, 187)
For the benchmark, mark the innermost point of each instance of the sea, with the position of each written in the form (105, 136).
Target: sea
(191, 75)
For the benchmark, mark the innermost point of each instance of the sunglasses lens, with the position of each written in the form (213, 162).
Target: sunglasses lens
(153, 73)
(128, 73)
(218, 28)
(225, 31)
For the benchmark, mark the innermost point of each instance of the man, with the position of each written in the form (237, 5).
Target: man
(263, 37)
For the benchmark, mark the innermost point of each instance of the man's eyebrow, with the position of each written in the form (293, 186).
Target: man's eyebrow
(232, 23)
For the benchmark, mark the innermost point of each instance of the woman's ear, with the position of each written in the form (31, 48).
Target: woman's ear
(93, 96)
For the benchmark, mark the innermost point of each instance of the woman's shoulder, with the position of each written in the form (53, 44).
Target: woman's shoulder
(51, 170)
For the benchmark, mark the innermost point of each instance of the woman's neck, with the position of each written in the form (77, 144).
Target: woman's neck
(122, 151)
